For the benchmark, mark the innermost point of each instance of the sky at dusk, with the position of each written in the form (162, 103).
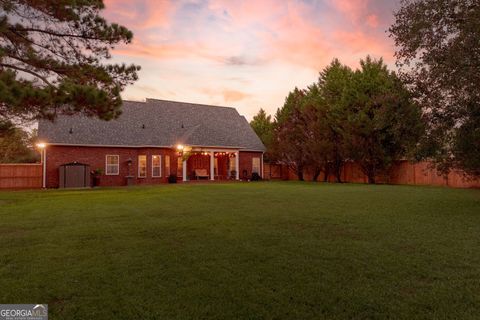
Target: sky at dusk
(245, 54)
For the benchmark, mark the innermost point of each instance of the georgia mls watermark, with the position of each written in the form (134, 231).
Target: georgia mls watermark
(23, 312)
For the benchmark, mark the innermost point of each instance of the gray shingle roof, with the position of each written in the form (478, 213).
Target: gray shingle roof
(156, 123)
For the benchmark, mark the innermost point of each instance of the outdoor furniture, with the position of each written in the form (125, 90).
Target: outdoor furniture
(201, 173)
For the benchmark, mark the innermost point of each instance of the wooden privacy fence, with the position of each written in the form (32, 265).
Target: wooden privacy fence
(402, 172)
(29, 176)
(20, 176)
(275, 171)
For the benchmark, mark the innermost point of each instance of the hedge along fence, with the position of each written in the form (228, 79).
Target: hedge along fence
(20, 176)
(403, 172)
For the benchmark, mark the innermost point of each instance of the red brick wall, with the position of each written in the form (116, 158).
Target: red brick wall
(245, 163)
(95, 157)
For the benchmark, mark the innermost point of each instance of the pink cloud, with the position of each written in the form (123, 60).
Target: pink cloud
(284, 31)
(298, 40)
(233, 95)
(250, 52)
(244, 13)
(142, 14)
(228, 95)
(358, 44)
(352, 9)
(372, 20)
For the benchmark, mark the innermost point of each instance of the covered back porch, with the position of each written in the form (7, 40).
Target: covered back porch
(208, 164)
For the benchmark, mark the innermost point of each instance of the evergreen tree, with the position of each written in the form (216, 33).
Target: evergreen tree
(333, 83)
(316, 145)
(383, 123)
(289, 133)
(53, 60)
(262, 124)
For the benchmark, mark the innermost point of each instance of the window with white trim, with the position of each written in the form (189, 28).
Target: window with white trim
(156, 166)
(142, 166)
(112, 165)
(232, 166)
(167, 165)
(256, 165)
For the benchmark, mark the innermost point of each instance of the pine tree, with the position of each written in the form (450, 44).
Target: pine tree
(53, 60)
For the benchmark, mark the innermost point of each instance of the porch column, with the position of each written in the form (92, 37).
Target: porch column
(184, 170)
(212, 165)
(237, 167)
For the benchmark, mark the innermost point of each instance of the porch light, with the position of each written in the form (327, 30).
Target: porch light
(180, 147)
(41, 145)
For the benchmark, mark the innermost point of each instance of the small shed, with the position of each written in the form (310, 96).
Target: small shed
(74, 175)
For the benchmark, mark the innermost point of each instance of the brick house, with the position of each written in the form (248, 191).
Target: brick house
(152, 140)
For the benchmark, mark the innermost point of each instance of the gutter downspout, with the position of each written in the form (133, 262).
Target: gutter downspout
(44, 165)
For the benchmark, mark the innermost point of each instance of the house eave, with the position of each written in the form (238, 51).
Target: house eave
(145, 146)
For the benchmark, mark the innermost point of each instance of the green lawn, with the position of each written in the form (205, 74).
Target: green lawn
(282, 250)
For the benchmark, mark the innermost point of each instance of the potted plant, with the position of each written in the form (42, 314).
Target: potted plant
(96, 176)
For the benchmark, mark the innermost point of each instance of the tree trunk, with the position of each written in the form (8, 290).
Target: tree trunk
(371, 179)
(327, 172)
(338, 171)
(316, 173)
(300, 173)
(371, 172)
(337, 162)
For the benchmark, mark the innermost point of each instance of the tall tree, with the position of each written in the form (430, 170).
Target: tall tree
(439, 56)
(262, 124)
(53, 60)
(289, 133)
(384, 124)
(317, 143)
(333, 83)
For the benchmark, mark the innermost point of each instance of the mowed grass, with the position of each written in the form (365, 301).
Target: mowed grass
(270, 250)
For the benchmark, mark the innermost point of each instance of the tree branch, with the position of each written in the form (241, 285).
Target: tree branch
(27, 71)
(55, 34)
